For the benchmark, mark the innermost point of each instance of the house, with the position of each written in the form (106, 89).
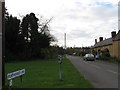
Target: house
(112, 44)
(116, 46)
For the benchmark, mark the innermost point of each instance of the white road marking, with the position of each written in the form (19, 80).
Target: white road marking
(100, 67)
(85, 62)
(92, 65)
(112, 71)
(96, 66)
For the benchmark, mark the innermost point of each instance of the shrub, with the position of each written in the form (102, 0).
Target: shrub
(105, 54)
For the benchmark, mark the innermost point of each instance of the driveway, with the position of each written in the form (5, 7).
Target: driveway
(100, 74)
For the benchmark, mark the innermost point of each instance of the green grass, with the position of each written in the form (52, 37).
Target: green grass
(110, 61)
(45, 74)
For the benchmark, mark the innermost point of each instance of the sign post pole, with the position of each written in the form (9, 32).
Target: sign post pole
(10, 84)
(60, 72)
(60, 62)
(21, 81)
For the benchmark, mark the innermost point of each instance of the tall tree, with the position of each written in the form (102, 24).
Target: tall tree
(35, 40)
(25, 39)
(11, 32)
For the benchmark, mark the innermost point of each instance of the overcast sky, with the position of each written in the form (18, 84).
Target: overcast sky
(82, 20)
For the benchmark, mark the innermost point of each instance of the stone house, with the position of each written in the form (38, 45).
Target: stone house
(112, 44)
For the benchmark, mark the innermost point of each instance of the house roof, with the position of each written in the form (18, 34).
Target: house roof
(117, 37)
(107, 41)
(104, 43)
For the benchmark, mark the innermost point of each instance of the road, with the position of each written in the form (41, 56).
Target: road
(100, 74)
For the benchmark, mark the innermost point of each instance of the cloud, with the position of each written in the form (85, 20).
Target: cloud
(82, 20)
(78, 34)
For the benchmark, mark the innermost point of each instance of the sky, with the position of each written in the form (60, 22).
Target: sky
(83, 21)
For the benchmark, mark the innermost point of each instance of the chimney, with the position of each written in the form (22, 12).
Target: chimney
(101, 39)
(95, 41)
(113, 33)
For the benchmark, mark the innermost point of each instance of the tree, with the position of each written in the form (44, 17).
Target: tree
(26, 39)
(11, 34)
(35, 40)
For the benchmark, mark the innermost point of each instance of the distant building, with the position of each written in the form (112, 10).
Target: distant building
(112, 44)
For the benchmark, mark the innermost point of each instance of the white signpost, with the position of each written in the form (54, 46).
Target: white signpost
(1, 28)
(15, 74)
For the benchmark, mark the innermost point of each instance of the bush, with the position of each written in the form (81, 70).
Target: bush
(103, 57)
(51, 52)
(105, 54)
(45, 53)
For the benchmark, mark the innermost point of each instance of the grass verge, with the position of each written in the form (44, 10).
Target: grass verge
(114, 61)
(45, 74)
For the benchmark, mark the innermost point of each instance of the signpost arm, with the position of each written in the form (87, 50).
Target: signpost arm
(15, 74)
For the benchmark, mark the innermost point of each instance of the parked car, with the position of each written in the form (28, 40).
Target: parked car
(89, 57)
(97, 56)
(74, 53)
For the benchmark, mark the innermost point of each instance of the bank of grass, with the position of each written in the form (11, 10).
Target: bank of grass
(45, 74)
(110, 61)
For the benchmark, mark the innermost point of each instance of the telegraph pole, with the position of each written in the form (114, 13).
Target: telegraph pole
(65, 40)
(65, 43)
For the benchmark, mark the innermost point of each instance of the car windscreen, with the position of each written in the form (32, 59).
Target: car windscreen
(89, 55)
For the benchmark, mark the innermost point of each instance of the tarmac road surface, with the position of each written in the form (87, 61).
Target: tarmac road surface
(100, 74)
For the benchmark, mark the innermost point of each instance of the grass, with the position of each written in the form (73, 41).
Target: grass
(45, 74)
(110, 61)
